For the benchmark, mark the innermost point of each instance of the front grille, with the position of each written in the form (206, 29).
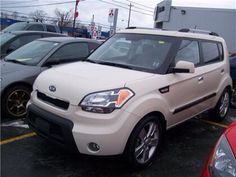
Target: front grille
(53, 101)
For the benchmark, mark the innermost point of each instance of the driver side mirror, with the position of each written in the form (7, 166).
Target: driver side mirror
(184, 67)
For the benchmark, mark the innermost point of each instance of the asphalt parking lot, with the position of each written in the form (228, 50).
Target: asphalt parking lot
(183, 153)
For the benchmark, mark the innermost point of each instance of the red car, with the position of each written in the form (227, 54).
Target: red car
(222, 160)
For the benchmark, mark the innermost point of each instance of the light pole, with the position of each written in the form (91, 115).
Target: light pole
(75, 15)
(130, 6)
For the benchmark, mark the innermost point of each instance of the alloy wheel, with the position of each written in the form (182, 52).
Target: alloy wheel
(224, 106)
(16, 102)
(147, 142)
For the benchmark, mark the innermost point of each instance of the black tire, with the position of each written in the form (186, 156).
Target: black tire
(14, 101)
(219, 112)
(135, 142)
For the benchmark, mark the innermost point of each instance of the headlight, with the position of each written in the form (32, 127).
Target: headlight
(106, 101)
(223, 163)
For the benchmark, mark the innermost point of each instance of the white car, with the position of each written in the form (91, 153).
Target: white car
(109, 105)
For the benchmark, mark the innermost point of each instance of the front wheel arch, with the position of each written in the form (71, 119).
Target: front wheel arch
(161, 122)
(6, 92)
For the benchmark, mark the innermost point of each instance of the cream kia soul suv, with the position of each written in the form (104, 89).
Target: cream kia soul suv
(136, 85)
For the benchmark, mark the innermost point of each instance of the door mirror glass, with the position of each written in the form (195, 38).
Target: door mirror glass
(184, 67)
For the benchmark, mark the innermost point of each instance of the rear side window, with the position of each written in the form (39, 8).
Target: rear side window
(36, 28)
(188, 51)
(210, 52)
(21, 40)
(51, 28)
(71, 52)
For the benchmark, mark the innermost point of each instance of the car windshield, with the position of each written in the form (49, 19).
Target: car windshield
(15, 27)
(4, 37)
(31, 53)
(134, 51)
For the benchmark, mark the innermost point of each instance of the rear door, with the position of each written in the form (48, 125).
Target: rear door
(186, 89)
(213, 68)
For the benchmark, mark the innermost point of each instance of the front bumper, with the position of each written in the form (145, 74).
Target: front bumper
(51, 126)
(79, 128)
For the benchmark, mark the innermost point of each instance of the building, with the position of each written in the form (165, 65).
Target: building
(221, 21)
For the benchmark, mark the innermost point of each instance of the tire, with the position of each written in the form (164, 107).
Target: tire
(140, 144)
(220, 111)
(14, 101)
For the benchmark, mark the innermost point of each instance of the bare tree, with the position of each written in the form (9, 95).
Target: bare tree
(63, 17)
(38, 15)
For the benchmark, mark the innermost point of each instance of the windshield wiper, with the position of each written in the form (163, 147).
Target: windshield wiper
(15, 61)
(115, 64)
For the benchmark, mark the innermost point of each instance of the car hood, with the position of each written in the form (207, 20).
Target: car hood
(9, 68)
(74, 81)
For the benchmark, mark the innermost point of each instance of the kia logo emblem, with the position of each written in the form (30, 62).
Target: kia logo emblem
(52, 88)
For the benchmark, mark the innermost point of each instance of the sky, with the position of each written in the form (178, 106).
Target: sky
(100, 9)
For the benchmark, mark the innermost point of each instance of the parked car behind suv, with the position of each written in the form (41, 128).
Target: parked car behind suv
(122, 102)
(233, 75)
(14, 40)
(20, 68)
(32, 26)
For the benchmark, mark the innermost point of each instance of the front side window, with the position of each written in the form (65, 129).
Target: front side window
(31, 53)
(71, 51)
(36, 28)
(210, 52)
(188, 51)
(93, 46)
(141, 52)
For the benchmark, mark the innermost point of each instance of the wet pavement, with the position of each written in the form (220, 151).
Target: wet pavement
(183, 153)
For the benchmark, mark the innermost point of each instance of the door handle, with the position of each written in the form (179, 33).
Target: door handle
(200, 78)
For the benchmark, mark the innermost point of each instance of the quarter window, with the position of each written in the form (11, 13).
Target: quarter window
(188, 51)
(210, 52)
(51, 28)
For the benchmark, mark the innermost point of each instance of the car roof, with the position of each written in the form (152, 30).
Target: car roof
(68, 39)
(155, 31)
(32, 32)
(37, 23)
